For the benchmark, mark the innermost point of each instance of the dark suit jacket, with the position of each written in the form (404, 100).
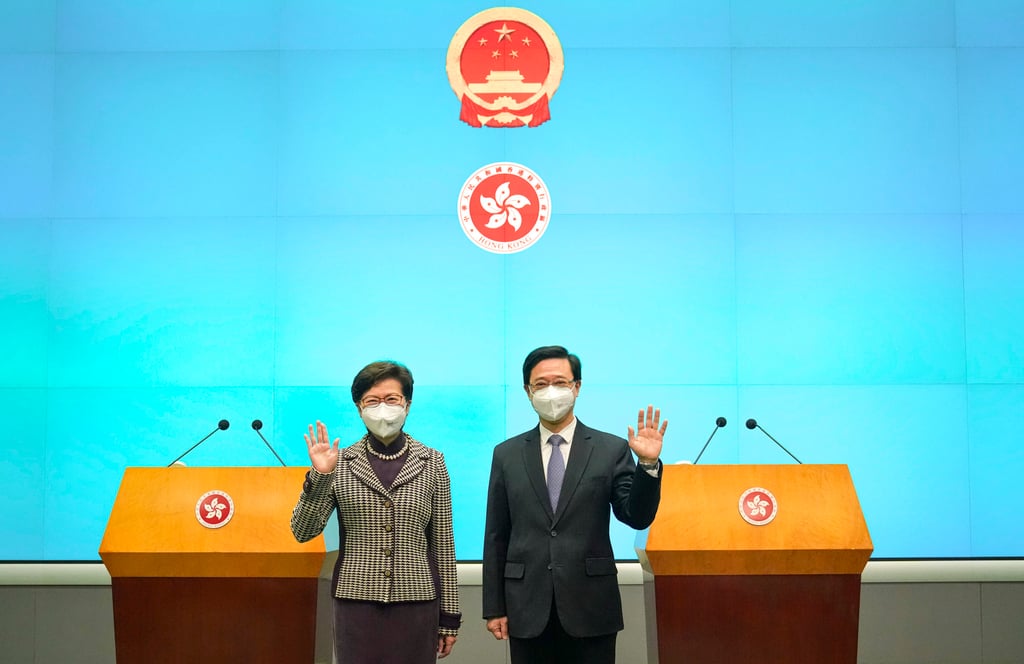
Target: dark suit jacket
(533, 557)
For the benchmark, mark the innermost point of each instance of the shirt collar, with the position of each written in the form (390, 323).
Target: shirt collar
(567, 432)
(396, 444)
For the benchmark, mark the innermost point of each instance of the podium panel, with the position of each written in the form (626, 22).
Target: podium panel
(170, 620)
(204, 567)
(755, 563)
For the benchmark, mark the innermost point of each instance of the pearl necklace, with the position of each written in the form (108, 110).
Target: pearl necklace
(385, 457)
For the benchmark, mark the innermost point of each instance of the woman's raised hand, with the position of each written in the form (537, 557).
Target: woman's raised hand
(323, 455)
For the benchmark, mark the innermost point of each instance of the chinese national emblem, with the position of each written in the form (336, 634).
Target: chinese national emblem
(504, 208)
(214, 509)
(758, 506)
(505, 64)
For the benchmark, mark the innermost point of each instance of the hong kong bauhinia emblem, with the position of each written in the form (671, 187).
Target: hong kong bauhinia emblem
(505, 64)
(758, 506)
(214, 509)
(504, 207)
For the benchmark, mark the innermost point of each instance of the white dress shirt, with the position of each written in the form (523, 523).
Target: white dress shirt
(546, 447)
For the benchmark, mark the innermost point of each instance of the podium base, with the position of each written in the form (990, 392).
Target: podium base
(215, 620)
(777, 619)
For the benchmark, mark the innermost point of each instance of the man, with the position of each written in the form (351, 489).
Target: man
(549, 575)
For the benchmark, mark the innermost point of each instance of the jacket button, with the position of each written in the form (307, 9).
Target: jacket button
(387, 572)
(387, 504)
(387, 552)
(554, 533)
(387, 528)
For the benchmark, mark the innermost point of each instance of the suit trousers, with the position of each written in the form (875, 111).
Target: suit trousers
(555, 646)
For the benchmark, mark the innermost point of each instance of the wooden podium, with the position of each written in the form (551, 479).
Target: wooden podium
(783, 587)
(204, 567)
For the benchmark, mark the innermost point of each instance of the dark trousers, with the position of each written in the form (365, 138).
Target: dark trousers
(555, 646)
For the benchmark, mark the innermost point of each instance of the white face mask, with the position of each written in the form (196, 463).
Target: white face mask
(552, 403)
(383, 420)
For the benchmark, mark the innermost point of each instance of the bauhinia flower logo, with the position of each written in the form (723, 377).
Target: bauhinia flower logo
(214, 509)
(504, 207)
(758, 506)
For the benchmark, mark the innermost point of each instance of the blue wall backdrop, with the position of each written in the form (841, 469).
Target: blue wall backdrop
(810, 213)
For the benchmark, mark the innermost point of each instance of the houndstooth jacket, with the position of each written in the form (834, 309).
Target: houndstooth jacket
(389, 537)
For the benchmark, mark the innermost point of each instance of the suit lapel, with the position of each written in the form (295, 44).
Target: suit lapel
(361, 468)
(535, 467)
(414, 462)
(579, 456)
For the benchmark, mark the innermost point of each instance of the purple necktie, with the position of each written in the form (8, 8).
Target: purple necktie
(556, 470)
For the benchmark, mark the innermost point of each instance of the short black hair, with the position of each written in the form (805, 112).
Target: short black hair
(538, 355)
(374, 372)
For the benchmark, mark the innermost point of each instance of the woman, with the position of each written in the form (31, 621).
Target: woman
(395, 591)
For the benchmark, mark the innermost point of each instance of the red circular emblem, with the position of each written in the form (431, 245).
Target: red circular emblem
(214, 509)
(504, 64)
(758, 506)
(504, 208)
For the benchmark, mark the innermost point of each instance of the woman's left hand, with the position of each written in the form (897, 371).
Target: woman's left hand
(445, 642)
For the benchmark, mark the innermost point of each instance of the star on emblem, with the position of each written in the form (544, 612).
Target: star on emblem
(504, 32)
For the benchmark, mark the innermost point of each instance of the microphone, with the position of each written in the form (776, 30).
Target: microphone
(221, 426)
(719, 423)
(256, 426)
(752, 424)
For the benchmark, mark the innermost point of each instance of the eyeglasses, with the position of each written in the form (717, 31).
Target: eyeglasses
(541, 384)
(391, 400)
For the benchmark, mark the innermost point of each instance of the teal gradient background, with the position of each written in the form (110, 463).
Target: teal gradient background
(809, 213)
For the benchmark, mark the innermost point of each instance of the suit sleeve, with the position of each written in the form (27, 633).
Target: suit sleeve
(637, 494)
(497, 528)
(441, 540)
(314, 507)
